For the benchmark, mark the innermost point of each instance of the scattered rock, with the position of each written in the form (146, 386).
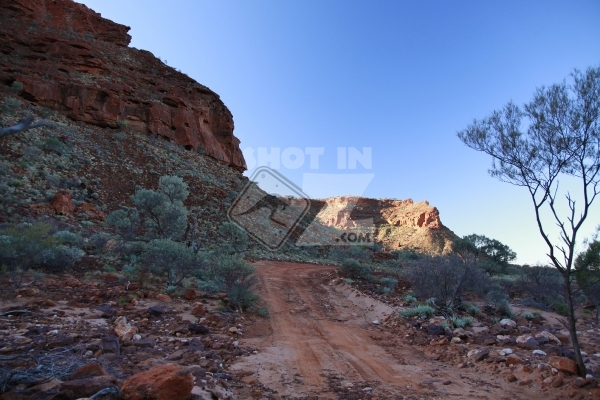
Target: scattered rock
(558, 382)
(162, 382)
(539, 353)
(479, 329)
(124, 330)
(527, 342)
(473, 352)
(201, 329)
(507, 323)
(190, 294)
(460, 332)
(146, 343)
(164, 298)
(482, 355)
(87, 387)
(513, 359)
(550, 337)
(106, 311)
(88, 371)
(563, 365)
(198, 310)
(155, 311)
(195, 345)
(581, 382)
(504, 352)
(436, 330)
(110, 344)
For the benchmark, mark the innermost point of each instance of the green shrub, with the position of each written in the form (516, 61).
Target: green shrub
(99, 240)
(54, 145)
(173, 260)
(561, 308)
(171, 289)
(496, 295)
(528, 316)
(409, 298)
(340, 253)
(235, 240)
(389, 283)
(503, 307)
(131, 270)
(472, 309)
(61, 258)
(236, 277)
(122, 124)
(208, 286)
(263, 311)
(109, 269)
(163, 213)
(10, 104)
(120, 136)
(421, 310)
(17, 87)
(68, 238)
(444, 278)
(355, 269)
(125, 221)
(543, 284)
(461, 322)
(24, 246)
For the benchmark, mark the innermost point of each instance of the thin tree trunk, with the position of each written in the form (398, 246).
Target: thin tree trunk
(572, 327)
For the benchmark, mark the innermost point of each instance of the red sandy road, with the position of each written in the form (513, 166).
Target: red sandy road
(317, 330)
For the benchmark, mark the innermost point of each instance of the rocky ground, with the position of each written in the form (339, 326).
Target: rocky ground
(53, 329)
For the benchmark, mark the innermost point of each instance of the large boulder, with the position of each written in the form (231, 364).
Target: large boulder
(162, 382)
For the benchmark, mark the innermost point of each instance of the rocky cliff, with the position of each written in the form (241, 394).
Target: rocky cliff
(398, 224)
(66, 57)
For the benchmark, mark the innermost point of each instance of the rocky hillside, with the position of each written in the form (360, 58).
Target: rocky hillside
(399, 224)
(68, 58)
(109, 108)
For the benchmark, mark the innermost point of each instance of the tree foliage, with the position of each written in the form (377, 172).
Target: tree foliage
(556, 135)
(173, 260)
(587, 272)
(235, 239)
(161, 214)
(492, 255)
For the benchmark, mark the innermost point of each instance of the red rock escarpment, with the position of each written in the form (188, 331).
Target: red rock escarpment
(400, 224)
(345, 209)
(68, 58)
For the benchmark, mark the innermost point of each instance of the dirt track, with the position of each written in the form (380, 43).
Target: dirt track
(320, 342)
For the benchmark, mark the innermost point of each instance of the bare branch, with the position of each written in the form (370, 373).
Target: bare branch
(22, 126)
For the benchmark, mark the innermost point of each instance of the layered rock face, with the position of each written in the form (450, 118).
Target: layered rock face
(70, 59)
(399, 224)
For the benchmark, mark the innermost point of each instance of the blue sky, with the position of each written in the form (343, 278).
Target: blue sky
(398, 77)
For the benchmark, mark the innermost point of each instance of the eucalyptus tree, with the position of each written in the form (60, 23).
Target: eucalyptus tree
(555, 136)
